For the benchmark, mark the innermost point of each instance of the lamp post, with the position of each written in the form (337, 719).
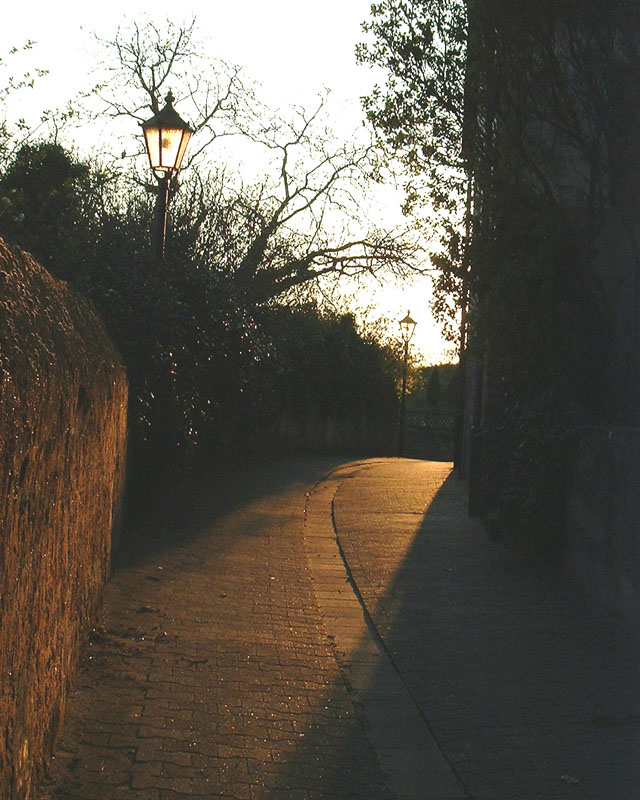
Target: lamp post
(407, 327)
(166, 136)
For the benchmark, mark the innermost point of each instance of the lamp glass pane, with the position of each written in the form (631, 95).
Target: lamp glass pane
(170, 148)
(186, 135)
(152, 135)
(407, 326)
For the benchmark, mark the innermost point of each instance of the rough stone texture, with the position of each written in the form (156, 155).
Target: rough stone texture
(603, 551)
(63, 397)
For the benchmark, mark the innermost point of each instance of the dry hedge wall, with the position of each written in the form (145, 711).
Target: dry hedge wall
(63, 399)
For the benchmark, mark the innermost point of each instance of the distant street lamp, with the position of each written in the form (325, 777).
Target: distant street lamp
(166, 136)
(407, 327)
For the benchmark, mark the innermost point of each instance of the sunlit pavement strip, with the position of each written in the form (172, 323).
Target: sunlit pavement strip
(413, 763)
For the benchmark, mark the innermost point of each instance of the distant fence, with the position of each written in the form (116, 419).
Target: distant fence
(429, 434)
(63, 400)
(436, 420)
(351, 434)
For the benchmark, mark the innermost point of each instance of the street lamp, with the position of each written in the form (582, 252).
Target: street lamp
(407, 327)
(166, 136)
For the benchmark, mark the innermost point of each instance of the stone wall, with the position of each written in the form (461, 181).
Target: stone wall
(603, 521)
(63, 399)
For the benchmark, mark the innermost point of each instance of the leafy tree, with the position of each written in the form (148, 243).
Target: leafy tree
(434, 391)
(545, 127)
(434, 387)
(326, 368)
(419, 117)
(419, 114)
(50, 204)
(211, 375)
(452, 391)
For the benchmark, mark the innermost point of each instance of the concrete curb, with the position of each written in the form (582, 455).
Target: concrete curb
(413, 763)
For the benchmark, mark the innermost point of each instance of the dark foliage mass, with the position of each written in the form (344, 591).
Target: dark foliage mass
(213, 373)
(530, 108)
(546, 83)
(47, 205)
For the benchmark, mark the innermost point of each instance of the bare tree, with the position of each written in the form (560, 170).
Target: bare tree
(309, 222)
(301, 222)
(298, 222)
(17, 131)
(144, 61)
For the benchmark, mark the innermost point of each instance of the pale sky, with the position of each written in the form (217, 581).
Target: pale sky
(294, 49)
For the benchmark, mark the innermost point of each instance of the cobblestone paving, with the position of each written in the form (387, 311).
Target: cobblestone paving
(210, 673)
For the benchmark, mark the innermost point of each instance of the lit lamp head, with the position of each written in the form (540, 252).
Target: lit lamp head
(407, 326)
(166, 136)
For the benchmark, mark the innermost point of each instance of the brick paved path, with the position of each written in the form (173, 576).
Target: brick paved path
(360, 639)
(211, 674)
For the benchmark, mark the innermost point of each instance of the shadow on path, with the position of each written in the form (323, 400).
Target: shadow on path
(188, 509)
(210, 673)
(233, 657)
(527, 692)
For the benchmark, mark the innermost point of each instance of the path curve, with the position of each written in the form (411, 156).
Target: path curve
(414, 764)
